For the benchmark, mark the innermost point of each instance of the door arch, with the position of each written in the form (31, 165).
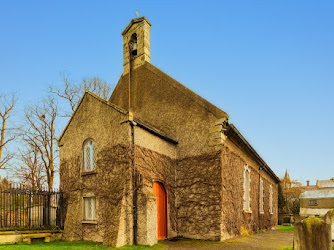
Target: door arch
(161, 194)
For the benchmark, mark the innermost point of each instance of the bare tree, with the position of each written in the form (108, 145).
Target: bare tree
(30, 172)
(72, 92)
(40, 135)
(291, 191)
(7, 105)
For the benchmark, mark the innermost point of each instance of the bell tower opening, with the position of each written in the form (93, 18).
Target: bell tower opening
(136, 44)
(133, 44)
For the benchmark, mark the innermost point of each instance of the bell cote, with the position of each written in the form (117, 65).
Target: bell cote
(136, 44)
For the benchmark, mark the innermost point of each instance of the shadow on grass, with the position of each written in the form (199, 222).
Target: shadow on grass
(73, 245)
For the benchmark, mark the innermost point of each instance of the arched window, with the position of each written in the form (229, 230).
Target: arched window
(247, 189)
(271, 199)
(88, 155)
(261, 196)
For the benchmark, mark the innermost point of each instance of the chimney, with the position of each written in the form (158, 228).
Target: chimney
(307, 183)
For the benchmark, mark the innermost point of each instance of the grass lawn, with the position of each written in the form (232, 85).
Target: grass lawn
(73, 245)
(286, 228)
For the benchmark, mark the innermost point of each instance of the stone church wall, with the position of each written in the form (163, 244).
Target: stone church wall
(199, 196)
(109, 183)
(234, 219)
(155, 160)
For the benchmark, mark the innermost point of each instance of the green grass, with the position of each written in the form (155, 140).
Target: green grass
(291, 248)
(73, 245)
(286, 228)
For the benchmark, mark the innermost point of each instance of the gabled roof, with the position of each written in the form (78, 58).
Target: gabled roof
(217, 112)
(133, 21)
(180, 87)
(87, 92)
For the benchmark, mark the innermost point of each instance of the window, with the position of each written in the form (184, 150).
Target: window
(89, 208)
(312, 203)
(247, 189)
(89, 155)
(261, 196)
(271, 199)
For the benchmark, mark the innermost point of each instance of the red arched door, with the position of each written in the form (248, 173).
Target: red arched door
(160, 192)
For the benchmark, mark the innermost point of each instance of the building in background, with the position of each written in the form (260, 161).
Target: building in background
(317, 200)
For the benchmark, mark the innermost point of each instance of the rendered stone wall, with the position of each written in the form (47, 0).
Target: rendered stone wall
(110, 186)
(199, 196)
(153, 166)
(234, 219)
(110, 182)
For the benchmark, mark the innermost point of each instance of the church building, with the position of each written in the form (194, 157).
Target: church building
(158, 161)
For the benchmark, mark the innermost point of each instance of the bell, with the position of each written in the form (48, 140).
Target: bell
(134, 49)
(134, 46)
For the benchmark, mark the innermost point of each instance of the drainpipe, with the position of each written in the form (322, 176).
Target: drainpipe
(134, 182)
(133, 165)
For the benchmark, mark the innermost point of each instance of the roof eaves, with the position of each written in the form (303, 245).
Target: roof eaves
(155, 131)
(254, 153)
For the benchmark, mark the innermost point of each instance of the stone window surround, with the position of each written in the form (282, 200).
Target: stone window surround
(89, 195)
(92, 171)
(261, 201)
(271, 199)
(247, 209)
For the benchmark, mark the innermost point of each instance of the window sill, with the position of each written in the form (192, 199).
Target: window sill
(262, 212)
(94, 222)
(89, 172)
(248, 211)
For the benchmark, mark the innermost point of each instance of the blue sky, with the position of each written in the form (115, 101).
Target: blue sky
(268, 64)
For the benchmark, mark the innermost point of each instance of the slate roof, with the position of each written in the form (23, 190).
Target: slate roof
(325, 183)
(319, 193)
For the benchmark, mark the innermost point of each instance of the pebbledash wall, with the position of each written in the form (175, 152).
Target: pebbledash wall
(209, 171)
(202, 168)
(109, 183)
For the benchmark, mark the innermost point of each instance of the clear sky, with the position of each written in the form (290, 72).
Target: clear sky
(268, 64)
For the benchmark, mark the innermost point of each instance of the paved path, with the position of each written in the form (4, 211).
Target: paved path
(274, 239)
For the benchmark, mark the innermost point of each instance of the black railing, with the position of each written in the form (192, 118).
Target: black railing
(22, 208)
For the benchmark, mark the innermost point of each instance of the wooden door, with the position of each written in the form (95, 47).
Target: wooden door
(160, 192)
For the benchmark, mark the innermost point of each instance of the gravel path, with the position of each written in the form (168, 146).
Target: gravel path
(274, 239)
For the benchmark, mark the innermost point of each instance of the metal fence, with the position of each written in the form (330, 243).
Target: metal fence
(22, 208)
